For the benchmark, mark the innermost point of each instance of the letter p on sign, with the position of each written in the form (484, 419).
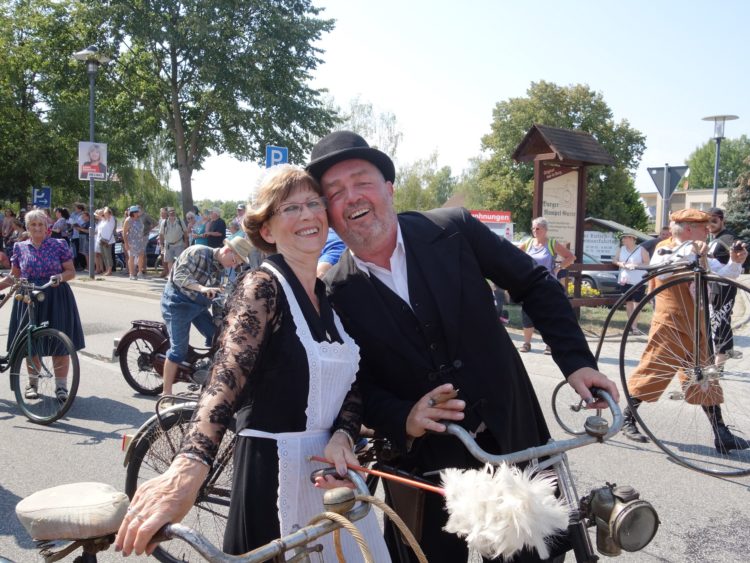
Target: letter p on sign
(276, 155)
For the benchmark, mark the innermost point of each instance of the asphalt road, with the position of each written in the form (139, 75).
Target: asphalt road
(702, 518)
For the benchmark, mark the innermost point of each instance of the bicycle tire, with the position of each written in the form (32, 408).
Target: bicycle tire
(46, 408)
(136, 361)
(153, 454)
(570, 414)
(682, 430)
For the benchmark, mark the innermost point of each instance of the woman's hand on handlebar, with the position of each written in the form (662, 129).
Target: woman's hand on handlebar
(339, 452)
(438, 404)
(161, 500)
(583, 379)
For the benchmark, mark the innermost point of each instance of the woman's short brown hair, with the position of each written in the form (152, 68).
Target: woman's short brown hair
(275, 187)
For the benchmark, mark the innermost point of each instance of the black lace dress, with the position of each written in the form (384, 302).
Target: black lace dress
(261, 374)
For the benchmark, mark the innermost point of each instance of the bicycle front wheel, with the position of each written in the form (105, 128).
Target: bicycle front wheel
(43, 363)
(153, 454)
(692, 373)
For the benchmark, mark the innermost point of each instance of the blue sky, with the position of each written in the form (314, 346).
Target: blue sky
(441, 67)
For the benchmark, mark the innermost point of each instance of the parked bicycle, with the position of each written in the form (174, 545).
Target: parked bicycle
(674, 422)
(150, 452)
(37, 356)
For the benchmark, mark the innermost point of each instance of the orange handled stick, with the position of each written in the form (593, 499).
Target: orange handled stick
(384, 475)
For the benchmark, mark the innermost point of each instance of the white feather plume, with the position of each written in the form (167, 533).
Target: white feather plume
(500, 510)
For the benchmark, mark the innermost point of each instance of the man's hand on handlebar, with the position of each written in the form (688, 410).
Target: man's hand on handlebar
(583, 379)
(438, 404)
(211, 292)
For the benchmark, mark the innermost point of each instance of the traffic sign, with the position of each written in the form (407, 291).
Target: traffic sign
(675, 173)
(41, 197)
(276, 155)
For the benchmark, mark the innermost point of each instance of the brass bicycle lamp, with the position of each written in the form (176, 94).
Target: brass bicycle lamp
(623, 520)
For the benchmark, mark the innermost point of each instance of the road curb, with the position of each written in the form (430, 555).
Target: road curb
(102, 284)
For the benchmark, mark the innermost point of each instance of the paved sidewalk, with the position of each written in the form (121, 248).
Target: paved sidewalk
(119, 282)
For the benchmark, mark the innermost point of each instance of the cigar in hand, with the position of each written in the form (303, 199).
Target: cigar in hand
(439, 398)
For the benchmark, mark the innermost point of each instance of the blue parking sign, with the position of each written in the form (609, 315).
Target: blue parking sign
(41, 197)
(276, 155)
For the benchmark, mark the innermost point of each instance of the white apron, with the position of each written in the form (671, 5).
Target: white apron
(332, 368)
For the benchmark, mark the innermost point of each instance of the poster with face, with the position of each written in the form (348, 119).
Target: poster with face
(92, 161)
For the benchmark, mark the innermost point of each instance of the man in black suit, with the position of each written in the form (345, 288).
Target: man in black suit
(412, 292)
(722, 296)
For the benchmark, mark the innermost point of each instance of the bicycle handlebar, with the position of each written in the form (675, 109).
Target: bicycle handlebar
(26, 284)
(300, 538)
(546, 450)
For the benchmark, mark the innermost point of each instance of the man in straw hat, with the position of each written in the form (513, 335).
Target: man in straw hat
(192, 284)
(672, 332)
(412, 291)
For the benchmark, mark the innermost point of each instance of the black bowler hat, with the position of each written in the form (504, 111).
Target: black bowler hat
(345, 145)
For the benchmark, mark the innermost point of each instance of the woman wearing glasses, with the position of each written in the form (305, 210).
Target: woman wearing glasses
(285, 366)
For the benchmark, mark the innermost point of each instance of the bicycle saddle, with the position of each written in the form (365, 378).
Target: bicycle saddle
(73, 512)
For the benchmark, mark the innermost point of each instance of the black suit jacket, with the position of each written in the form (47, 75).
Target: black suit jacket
(457, 254)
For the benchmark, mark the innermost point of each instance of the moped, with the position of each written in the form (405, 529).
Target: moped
(142, 351)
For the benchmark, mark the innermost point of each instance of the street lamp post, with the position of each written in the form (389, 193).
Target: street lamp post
(719, 121)
(93, 58)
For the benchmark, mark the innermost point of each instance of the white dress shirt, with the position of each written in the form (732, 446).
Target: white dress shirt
(394, 278)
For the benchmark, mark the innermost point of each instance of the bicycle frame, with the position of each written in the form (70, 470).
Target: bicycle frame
(298, 539)
(29, 293)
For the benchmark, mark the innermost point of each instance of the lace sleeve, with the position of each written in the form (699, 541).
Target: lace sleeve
(349, 418)
(251, 312)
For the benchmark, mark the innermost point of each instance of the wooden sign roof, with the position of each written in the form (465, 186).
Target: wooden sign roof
(567, 146)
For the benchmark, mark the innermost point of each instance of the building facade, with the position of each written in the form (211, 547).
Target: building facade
(682, 199)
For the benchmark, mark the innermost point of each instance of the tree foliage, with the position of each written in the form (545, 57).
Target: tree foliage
(34, 139)
(501, 183)
(222, 76)
(421, 186)
(380, 130)
(187, 78)
(738, 204)
(731, 163)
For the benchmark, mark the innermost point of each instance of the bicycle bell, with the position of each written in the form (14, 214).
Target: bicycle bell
(623, 520)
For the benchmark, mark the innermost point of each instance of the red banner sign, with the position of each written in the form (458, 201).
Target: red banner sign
(491, 216)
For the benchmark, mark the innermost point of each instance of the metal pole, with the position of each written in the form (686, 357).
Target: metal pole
(666, 197)
(716, 171)
(92, 67)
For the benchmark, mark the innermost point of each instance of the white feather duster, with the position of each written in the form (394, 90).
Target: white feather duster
(500, 510)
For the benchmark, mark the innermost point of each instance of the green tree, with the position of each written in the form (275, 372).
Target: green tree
(30, 34)
(738, 204)
(380, 130)
(501, 183)
(44, 99)
(421, 185)
(701, 162)
(222, 76)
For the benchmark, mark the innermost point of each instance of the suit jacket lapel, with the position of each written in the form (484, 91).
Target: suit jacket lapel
(437, 254)
(358, 302)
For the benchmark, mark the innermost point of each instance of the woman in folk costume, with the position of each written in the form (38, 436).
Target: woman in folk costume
(285, 366)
